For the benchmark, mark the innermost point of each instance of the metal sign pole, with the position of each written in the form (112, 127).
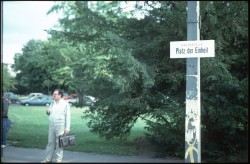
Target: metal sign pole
(192, 117)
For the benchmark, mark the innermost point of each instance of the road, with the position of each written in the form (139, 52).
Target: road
(11, 154)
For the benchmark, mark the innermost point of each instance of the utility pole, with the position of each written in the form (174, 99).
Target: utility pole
(192, 49)
(192, 117)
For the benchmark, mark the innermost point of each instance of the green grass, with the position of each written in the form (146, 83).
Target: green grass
(31, 130)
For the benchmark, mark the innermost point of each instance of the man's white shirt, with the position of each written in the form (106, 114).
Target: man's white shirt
(60, 113)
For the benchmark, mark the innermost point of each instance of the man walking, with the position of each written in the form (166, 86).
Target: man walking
(59, 124)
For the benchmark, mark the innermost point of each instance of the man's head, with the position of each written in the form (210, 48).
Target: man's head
(57, 94)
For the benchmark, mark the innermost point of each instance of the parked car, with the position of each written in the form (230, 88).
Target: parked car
(35, 94)
(67, 97)
(30, 96)
(72, 101)
(74, 95)
(37, 101)
(13, 98)
(89, 100)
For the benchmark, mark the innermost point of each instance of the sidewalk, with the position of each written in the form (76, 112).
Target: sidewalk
(12, 154)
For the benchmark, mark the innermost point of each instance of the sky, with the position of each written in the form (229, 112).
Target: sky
(26, 20)
(23, 21)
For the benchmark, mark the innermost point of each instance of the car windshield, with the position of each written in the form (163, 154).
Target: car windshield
(34, 98)
(31, 96)
(34, 94)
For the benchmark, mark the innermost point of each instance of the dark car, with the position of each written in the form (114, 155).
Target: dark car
(38, 101)
(89, 100)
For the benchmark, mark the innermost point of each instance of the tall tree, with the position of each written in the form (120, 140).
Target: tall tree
(42, 65)
(125, 61)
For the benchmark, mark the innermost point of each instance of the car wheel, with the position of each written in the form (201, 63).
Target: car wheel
(47, 104)
(27, 104)
(70, 104)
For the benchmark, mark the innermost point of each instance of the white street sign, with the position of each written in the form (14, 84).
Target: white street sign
(192, 49)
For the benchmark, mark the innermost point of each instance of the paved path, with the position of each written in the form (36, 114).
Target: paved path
(11, 154)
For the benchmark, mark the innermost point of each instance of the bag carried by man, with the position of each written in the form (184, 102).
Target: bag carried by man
(67, 140)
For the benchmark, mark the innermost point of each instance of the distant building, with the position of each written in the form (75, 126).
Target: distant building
(8, 65)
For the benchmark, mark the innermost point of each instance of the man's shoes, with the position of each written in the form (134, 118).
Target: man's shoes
(46, 161)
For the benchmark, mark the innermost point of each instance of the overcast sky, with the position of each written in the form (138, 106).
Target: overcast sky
(26, 20)
(23, 21)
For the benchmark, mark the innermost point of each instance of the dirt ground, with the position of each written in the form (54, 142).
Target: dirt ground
(144, 148)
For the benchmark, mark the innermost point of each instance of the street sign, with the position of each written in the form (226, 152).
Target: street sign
(192, 49)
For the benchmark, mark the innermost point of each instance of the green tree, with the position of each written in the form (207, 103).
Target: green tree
(224, 79)
(125, 62)
(8, 81)
(126, 66)
(138, 79)
(42, 66)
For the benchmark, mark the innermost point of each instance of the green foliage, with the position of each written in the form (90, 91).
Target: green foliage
(8, 82)
(105, 52)
(42, 66)
(223, 79)
(165, 124)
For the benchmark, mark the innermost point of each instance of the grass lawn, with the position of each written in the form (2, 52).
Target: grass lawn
(31, 130)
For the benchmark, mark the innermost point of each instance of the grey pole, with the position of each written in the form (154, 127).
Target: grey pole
(192, 117)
